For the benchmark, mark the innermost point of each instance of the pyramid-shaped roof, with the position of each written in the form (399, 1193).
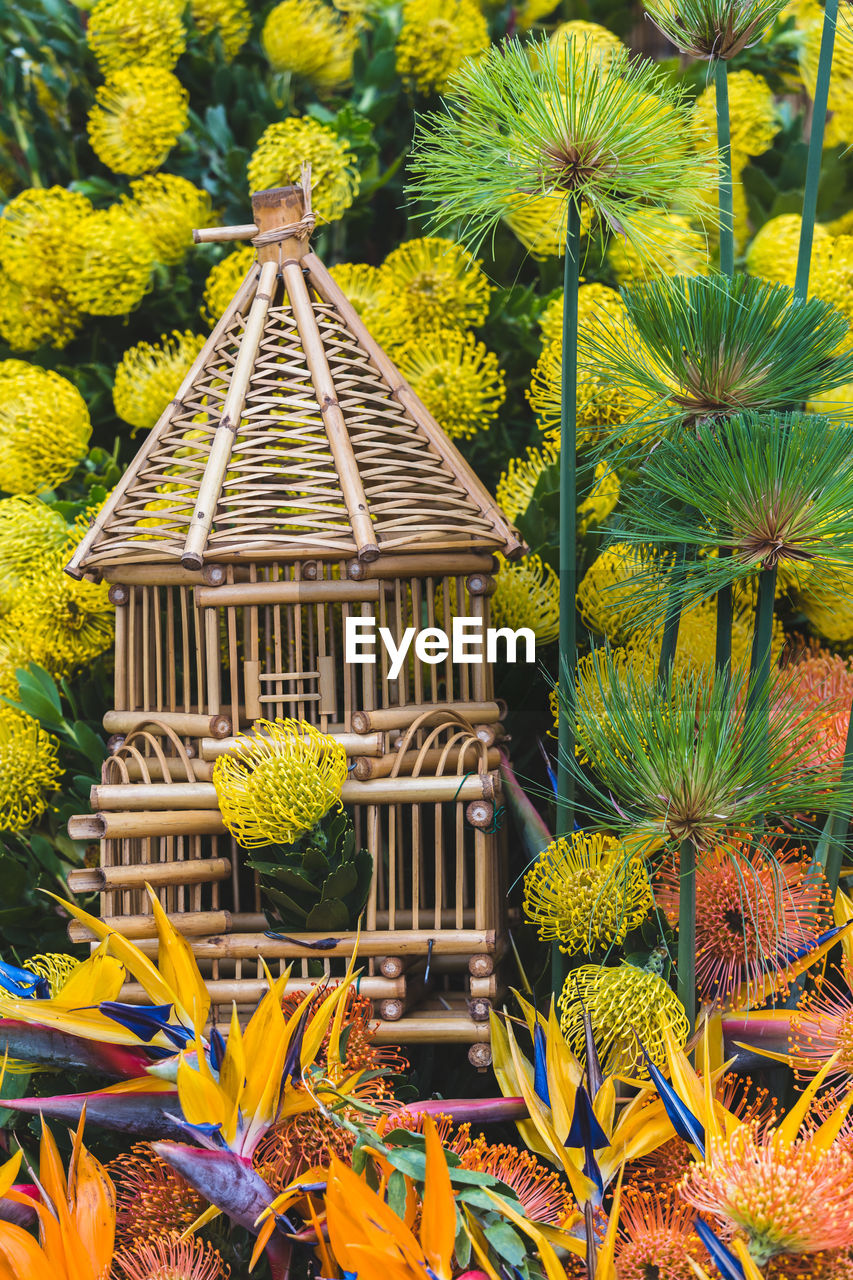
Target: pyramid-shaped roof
(292, 435)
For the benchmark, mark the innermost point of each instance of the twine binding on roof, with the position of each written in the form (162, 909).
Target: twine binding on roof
(293, 230)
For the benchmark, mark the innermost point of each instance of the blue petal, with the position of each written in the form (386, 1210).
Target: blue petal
(799, 952)
(217, 1049)
(586, 1132)
(724, 1260)
(145, 1021)
(681, 1117)
(540, 1072)
(23, 983)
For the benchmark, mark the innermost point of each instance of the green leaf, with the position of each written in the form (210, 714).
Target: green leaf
(396, 1193)
(506, 1242)
(341, 882)
(329, 916)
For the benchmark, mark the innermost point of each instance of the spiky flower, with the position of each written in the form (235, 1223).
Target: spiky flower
(822, 1026)
(586, 892)
(518, 482)
(599, 307)
(527, 595)
(279, 782)
(29, 530)
(29, 770)
(821, 683)
(773, 251)
(832, 279)
(534, 121)
(168, 208)
(656, 1236)
(827, 605)
(124, 33)
(171, 1258)
(589, 42)
(543, 1197)
(138, 116)
(430, 283)
(712, 346)
(625, 1005)
(714, 29)
(324, 50)
(149, 374)
(223, 281)
(362, 285)
(606, 597)
(435, 39)
(782, 1197)
(459, 381)
(33, 230)
(286, 145)
(151, 1198)
(540, 224)
(44, 430)
(30, 317)
(756, 908)
(55, 967)
(681, 249)
(109, 261)
(754, 120)
(230, 20)
(603, 404)
(301, 1142)
(684, 760)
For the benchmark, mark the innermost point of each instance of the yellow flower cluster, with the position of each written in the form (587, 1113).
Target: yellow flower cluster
(434, 40)
(109, 260)
(518, 483)
(596, 43)
(527, 594)
(625, 1005)
(459, 381)
(123, 32)
(586, 892)
(362, 285)
(29, 770)
(35, 307)
(539, 222)
(600, 310)
(286, 145)
(55, 967)
(606, 594)
(679, 249)
(149, 374)
(828, 605)
(230, 20)
(831, 278)
(138, 116)
(29, 531)
(601, 499)
(167, 209)
(223, 281)
(308, 38)
(601, 406)
(809, 22)
(44, 428)
(774, 249)
(278, 783)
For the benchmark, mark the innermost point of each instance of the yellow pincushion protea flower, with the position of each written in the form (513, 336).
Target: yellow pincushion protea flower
(284, 147)
(601, 499)
(832, 279)
(230, 19)
(459, 381)
(29, 531)
(680, 250)
(752, 111)
(606, 594)
(29, 770)
(279, 783)
(773, 251)
(32, 317)
(838, 401)
(828, 605)
(55, 967)
(223, 281)
(44, 430)
(586, 892)
(435, 38)
(540, 224)
(625, 1005)
(138, 116)
(527, 594)
(168, 208)
(149, 374)
(601, 405)
(600, 309)
(362, 285)
(109, 262)
(595, 42)
(33, 230)
(308, 39)
(518, 483)
(427, 284)
(839, 126)
(124, 33)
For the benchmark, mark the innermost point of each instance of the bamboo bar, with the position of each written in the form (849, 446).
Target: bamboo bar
(402, 717)
(141, 796)
(401, 942)
(424, 1028)
(336, 428)
(424, 566)
(483, 988)
(189, 923)
(461, 759)
(327, 590)
(202, 769)
(214, 235)
(163, 575)
(354, 744)
(229, 422)
(249, 991)
(184, 723)
(188, 871)
(142, 825)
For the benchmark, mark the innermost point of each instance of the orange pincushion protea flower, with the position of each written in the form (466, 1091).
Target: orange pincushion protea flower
(170, 1258)
(656, 1237)
(822, 1026)
(151, 1197)
(822, 683)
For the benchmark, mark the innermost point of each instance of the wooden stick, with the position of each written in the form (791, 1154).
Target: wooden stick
(421, 1028)
(381, 766)
(249, 593)
(229, 423)
(483, 988)
(185, 723)
(152, 441)
(142, 796)
(189, 871)
(167, 575)
(374, 744)
(214, 235)
(423, 566)
(403, 917)
(249, 991)
(191, 924)
(481, 966)
(402, 717)
(401, 942)
(129, 826)
(506, 536)
(202, 770)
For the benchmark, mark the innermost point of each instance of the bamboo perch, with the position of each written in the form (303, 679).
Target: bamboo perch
(229, 423)
(401, 942)
(129, 826)
(461, 760)
(248, 991)
(215, 235)
(167, 575)
(328, 590)
(189, 871)
(189, 923)
(184, 723)
(483, 988)
(354, 744)
(402, 717)
(333, 418)
(423, 1028)
(423, 566)
(141, 796)
(132, 770)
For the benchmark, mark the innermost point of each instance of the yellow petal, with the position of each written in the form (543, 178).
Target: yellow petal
(789, 1128)
(604, 1267)
(100, 977)
(9, 1172)
(438, 1209)
(750, 1270)
(179, 968)
(143, 969)
(22, 1257)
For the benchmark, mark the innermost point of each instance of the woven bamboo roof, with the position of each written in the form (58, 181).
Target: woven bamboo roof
(293, 435)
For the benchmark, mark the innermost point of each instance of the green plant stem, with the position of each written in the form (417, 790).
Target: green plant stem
(687, 929)
(821, 98)
(727, 216)
(830, 852)
(568, 521)
(672, 622)
(758, 697)
(723, 649)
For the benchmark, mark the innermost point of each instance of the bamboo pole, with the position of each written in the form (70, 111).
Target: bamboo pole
(340, 444)
(186, 724)
(190, 924)
(402, 717)
(131, 770)
(229, 423)
(420, 566)
(354, 744)
(426, 1028)
(328, 590)
(188, 871)
(397, 942)
(217, 235)
(144, 796)
(166, 575)
(461, 759)
(509, 541)
(483, 988)
(248, 991)
(146, 825)
(152, 441)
